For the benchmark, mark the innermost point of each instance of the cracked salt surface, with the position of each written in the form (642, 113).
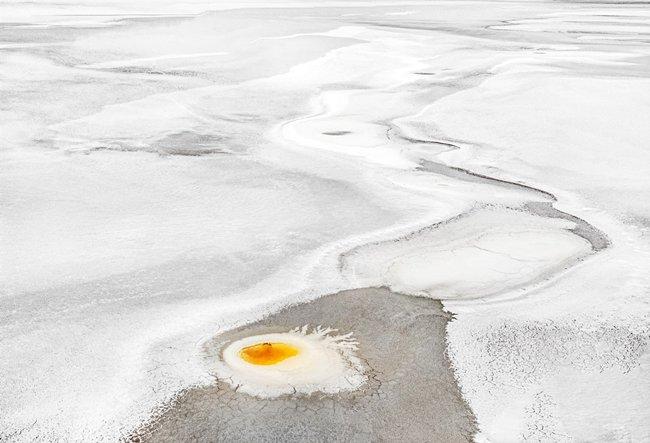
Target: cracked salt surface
(487, 252)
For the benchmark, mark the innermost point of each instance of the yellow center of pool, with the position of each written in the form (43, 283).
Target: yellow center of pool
(267, 353)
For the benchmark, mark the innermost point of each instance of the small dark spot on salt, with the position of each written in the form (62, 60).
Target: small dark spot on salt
(337, 133)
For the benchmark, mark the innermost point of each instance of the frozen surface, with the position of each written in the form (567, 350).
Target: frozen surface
(172, 170)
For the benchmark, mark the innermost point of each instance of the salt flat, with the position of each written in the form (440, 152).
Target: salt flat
(171, 172)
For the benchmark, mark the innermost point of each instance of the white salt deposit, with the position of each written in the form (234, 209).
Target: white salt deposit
(325, 363)
(483, 254)
(168, 173)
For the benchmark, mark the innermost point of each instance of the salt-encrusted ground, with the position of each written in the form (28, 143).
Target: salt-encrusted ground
(170, 172)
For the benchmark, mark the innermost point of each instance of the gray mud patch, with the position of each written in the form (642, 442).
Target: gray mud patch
(473, 177)
(184, 143)
(411, 393)
(593, 235)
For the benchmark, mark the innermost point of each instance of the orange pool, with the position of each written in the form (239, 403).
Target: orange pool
(268, 353)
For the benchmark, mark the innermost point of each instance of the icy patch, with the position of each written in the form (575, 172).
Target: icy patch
(324, 363)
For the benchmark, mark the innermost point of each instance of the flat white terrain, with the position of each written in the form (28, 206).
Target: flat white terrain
(172, 170)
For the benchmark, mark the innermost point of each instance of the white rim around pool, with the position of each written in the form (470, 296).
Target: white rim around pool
(325, 363)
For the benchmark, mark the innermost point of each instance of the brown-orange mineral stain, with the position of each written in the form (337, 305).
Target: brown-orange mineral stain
(268, 353)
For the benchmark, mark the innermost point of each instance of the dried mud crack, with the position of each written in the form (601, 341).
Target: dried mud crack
(411, 393)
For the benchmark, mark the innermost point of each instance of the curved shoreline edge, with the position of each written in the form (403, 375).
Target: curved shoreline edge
(584, 229)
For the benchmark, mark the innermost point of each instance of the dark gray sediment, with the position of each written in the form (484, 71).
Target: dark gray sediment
(593, 235)
(411, 394)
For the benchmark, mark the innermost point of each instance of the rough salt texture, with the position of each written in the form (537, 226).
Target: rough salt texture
(411, 394)
(170, 176)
